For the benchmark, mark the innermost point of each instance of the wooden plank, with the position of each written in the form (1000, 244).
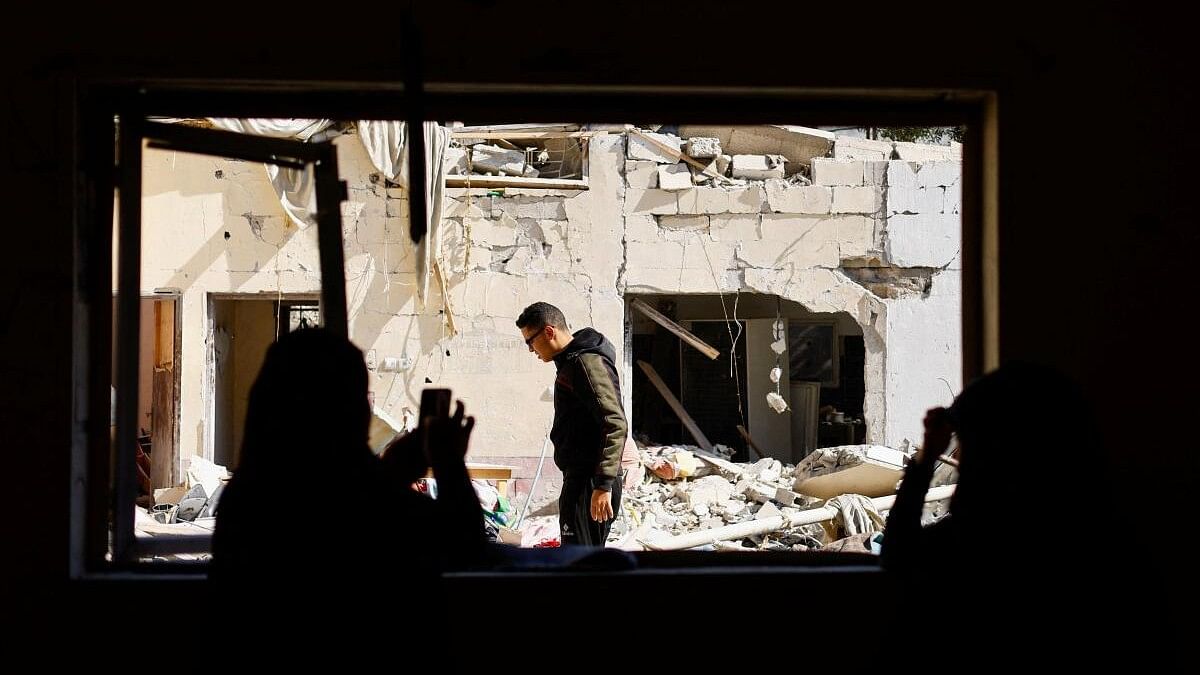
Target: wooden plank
(516, 182)
(523, 135)
(163, 453)
(687, 420)
(675, 328)
(746, 435)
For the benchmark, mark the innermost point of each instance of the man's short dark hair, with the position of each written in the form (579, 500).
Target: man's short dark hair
(542, 314)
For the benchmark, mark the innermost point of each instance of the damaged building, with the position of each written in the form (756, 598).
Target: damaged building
(816, 278)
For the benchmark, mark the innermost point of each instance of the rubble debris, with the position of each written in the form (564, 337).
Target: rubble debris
(758, 167)
(493, 158)
(661, 148)
(756, 503)
(704, 147)
(871, 470)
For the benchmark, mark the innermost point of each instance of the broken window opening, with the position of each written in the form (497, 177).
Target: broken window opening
(141, 529)
(548, 248)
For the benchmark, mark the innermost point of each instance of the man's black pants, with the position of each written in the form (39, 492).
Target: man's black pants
(575, 512)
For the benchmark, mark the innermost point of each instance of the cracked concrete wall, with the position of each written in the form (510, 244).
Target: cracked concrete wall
(878, 240)
(215, 226)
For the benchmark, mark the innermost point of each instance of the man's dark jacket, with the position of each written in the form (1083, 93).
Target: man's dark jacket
(589, 423)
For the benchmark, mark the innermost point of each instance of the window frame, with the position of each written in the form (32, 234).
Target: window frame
(97, 102)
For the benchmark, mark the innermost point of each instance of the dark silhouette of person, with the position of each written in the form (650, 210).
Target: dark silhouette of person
(1013, 570)
(311, 507)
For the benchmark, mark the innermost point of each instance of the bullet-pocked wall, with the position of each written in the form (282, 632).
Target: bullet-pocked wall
(844, 227)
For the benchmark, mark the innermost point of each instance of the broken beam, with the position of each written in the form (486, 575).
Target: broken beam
(675, 328)
(746, 435)
(502, 135)
(687, 420)
(516, 182)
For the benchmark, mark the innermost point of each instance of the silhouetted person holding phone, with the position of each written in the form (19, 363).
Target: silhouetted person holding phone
(311, 508)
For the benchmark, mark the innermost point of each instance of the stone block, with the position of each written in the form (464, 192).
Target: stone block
(875, 173)
(674, 177)
(923, 240)
(641, 174)
(922, 152)
(856, 199)
(861, 149)
(640, 148)
(734, 227)
(656, 202)
(703, 200)
(747, 200)
(856, 236)
(642, 228)
(838, 172)
(939, 174)
(758, 167)
(785, 198)
(704, 147)
(683, 223)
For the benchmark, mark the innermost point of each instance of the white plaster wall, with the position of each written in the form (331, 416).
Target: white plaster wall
(581, 250)
(924, 357)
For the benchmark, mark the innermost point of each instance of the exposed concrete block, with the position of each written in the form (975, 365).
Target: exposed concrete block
(641, 228)
(856, 236)
(683, 223)
(856, 199)
(711, 258)
(657, 255)
(640, 174)
(544, 208)
(921, 152)
(923, 240)
(838, 172)
(494, 159)
(674, 177)
(723, 162)
(939, 174)
(458, 208)
(920, 200)
(657, 202)
(767, 510)
(861, 149)
(875, 173)
(747, 200)
(779, 227)
(704, 147)
(734, 227)
(639, 148)
(902, 174)
(699, 200)
(508, 205)
(785, 497)
(758, 167)
(785, 198)
(503, 232)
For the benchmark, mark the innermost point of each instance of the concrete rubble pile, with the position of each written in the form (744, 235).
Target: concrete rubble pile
(688, 491)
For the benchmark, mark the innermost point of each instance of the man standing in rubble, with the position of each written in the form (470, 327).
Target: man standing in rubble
(589, 424)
